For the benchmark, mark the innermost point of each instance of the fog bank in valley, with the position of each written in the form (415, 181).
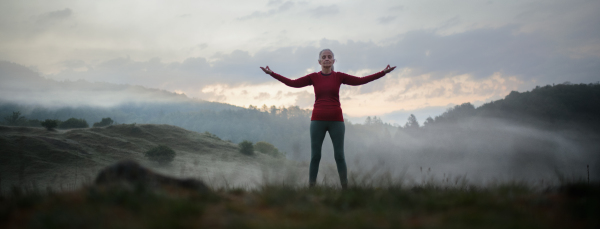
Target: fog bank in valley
(478, 145)
(483, 150)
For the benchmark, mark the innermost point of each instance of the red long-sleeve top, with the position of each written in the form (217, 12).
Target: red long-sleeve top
(327, 91)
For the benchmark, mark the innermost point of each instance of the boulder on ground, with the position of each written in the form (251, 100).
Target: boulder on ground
(131, 173)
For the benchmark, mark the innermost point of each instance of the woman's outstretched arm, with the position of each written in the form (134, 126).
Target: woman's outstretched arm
(297, 83)
(355, 81)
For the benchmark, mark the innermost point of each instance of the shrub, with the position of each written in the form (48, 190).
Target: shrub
(73, 123)
(133, 129)
(15, 119)
(267, 148)
(49, 124)
(211, 135)
(105, 122)
(161, 154)
(246, 147)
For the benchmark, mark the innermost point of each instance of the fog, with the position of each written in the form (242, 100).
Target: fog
(480, 152)
(23, 86)
(475, 150)
(485, 150)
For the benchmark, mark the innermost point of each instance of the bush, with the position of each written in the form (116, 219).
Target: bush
(246, 147)
(73, 123)
(105, 122)
(15, 119)
(161, 154)
(133, 129)
(49, 124)
(267, 148)
(211, 135)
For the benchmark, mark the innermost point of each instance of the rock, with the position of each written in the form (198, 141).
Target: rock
(131, 173)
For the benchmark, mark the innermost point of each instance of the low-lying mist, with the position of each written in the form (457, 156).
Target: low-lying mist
(541, 149)
(479, 151)
(482, 150)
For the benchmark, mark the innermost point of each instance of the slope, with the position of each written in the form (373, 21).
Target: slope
(68, 158)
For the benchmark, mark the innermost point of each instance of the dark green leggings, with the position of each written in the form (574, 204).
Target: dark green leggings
(317, 135)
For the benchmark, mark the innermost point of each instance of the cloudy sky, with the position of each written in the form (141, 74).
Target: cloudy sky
(447, 52)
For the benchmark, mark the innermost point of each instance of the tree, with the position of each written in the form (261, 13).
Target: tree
(161, 154)
(273, 110)
(15, 119)
(428, 121)
(412, 122)
(376, 121)
(49, 124)
(246, 147)
(267, 148)
(105, 122)
(461, 112)
(73, 123)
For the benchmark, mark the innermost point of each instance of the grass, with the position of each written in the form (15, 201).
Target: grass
(512, 205)
(66, 157)
(274, 196)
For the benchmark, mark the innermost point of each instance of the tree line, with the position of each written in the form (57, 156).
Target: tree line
(287, 128)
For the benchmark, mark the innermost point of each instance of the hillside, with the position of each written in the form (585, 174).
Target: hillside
(551, 106)
(68, 158)
(252, 191)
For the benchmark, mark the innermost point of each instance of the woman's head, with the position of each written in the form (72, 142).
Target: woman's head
(326, 58)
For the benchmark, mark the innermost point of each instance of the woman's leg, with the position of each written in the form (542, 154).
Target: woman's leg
(317, 135)
(336, 132)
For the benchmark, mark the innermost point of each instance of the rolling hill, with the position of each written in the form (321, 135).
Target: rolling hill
(68, 158)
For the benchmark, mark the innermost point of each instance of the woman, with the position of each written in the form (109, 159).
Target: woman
(327, 112)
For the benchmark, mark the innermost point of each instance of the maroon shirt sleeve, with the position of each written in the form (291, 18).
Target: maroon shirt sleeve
(297, 83)
(355, 81)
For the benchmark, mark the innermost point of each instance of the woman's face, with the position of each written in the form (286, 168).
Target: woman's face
(326, 60)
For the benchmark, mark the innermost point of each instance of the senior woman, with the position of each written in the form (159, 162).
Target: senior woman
(327, 111)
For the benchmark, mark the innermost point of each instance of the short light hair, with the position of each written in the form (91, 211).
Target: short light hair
(321, 52)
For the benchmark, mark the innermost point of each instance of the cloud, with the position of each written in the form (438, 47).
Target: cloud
(303, 99)
(480, 54)
(274, 2)
(261, 14)
(73, 64)
(325, 11)
(386, 20)
(263, 95)
(55, 15)
(396, 8)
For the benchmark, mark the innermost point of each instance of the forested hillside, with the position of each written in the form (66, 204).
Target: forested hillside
(547, 106)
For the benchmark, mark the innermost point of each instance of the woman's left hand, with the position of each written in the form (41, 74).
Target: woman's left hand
(388, 69)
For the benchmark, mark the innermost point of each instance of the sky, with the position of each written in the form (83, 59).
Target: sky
(446, 52)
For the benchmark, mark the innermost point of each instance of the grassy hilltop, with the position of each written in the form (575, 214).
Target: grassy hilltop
(68, 160)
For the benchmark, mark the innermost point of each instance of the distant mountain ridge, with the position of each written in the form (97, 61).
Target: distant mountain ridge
(563, 104)
(21, 85)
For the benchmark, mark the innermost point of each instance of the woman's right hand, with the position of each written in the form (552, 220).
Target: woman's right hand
(267, 70)
(388, 69)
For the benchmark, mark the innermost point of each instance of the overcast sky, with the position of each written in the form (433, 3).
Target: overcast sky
(447, 52)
